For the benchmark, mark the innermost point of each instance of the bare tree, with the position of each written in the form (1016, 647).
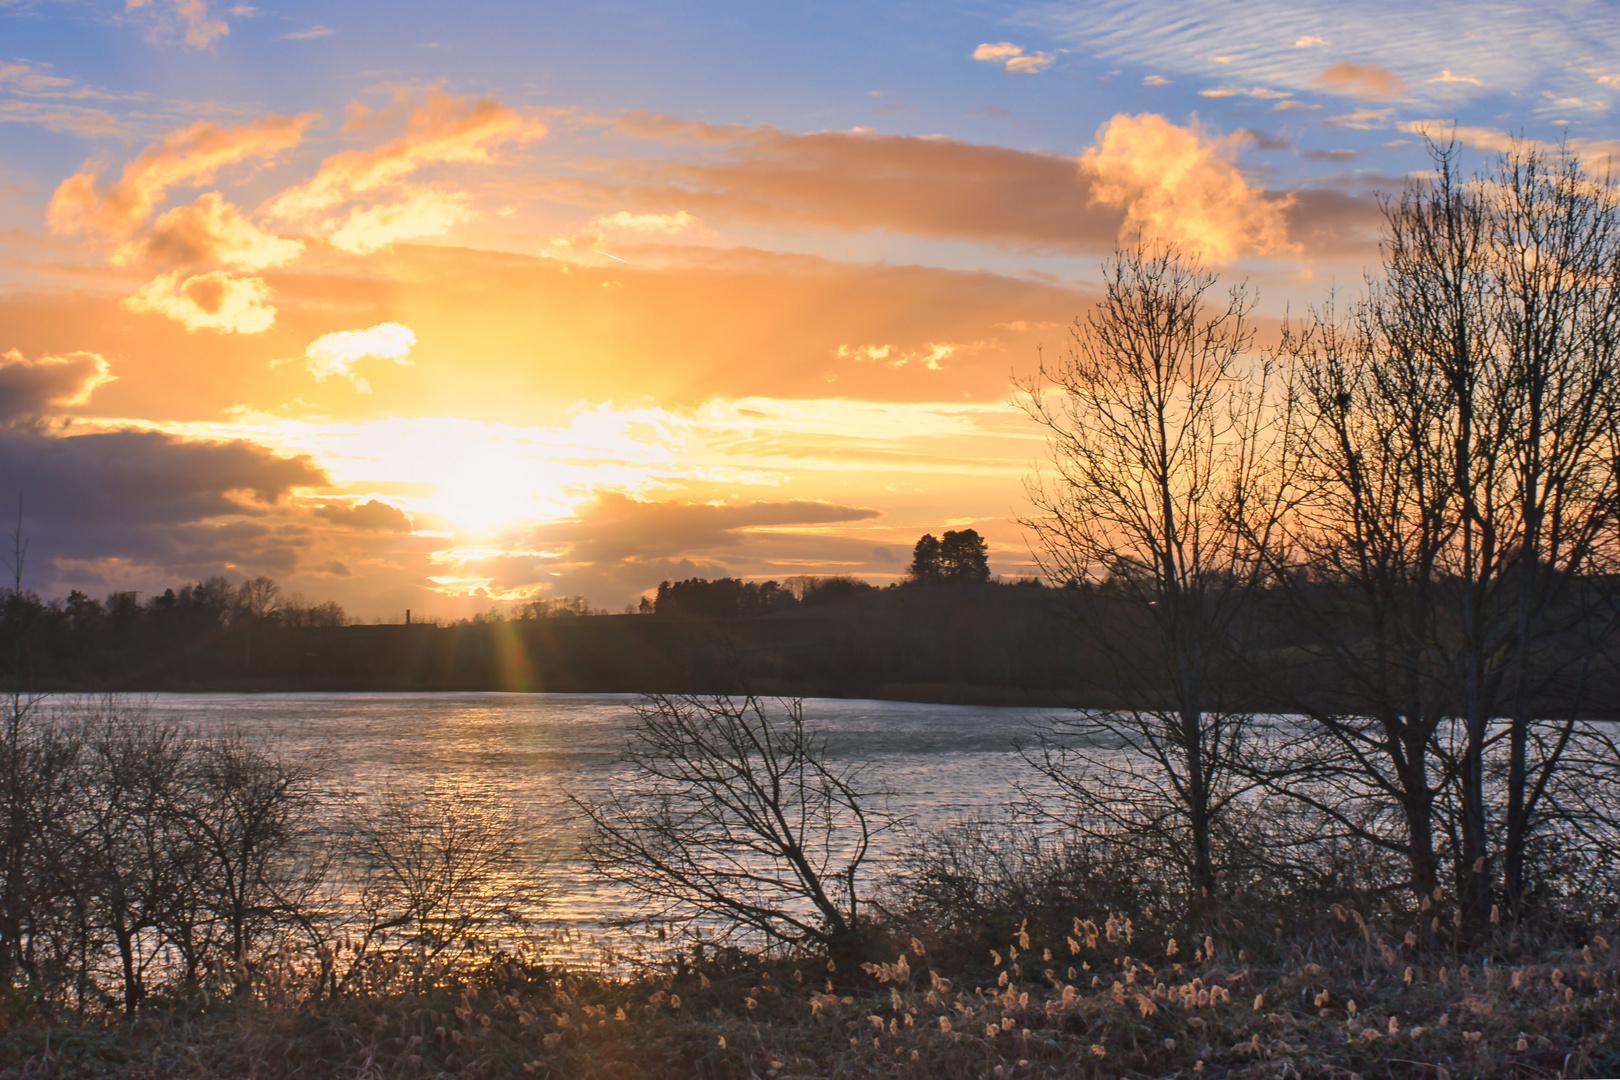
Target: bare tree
(1454, 450)
(1366, 538)
(429, 873)
(1156, 512)
(36, 762)
(730, 809)
(1555, 242)
(133, 857)
(251, 815)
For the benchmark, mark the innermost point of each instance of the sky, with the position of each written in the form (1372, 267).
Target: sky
(451, 307)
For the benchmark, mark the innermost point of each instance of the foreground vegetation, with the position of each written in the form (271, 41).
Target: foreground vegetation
(1318, 993)
(190, 905)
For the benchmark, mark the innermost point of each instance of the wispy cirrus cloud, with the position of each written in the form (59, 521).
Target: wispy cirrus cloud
(1520, 47)
(192, 19)
(32, 79)
(1264, 93)
(84, 121)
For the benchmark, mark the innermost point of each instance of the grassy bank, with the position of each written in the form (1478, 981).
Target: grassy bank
(1333, 993)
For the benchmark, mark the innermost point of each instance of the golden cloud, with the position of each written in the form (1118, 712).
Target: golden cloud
(624, 220)
(930, 356)
(1360, 80)
(209, 230)
(334, 355)
(212, 301)
(1178, 184)
(441, 128)
(422, 212)
(191, 155)
(504, 336)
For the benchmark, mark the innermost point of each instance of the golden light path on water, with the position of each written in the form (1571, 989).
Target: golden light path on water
(523, 755)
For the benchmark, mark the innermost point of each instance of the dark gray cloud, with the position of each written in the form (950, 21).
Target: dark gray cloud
(1330, 222)
(31, 388)
(370, 516)
(150, 498)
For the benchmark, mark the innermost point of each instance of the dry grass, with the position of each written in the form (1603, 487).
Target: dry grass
(1335, 995)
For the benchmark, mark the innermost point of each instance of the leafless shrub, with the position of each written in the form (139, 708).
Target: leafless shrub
(730, 810)
(38, 907)
(421, 876)
(134, 864)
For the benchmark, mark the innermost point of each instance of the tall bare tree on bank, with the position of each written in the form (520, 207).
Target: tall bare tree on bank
(1156, 509)
(1453, 445)
(1555, 239)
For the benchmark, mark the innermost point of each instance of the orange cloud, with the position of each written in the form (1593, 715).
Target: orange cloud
(1179, 184)
(1361, 80)
(209, 230)
(441, 128)
(212, 301)
(858, 180)
(191, 155)
(1012, 57)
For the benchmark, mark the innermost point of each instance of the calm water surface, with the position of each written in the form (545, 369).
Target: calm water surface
(524, 754)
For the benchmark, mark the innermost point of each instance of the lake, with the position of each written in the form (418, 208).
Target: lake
(524, 754)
